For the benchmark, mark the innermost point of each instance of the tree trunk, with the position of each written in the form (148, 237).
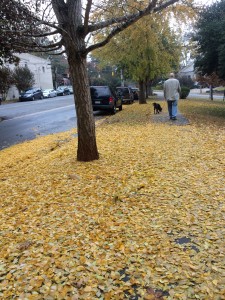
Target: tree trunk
(87, 146)
(69, 15)
(146, 89)
(211, 92)
(150, 91)
(142, 98)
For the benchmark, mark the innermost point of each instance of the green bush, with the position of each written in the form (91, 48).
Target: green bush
(158, 87)
(184, 92)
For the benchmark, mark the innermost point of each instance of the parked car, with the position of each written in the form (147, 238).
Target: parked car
(126, 93)
(70, 89)
(104, 98)
(31, 94)
(135, 92)
(62, 90)
(49, 93)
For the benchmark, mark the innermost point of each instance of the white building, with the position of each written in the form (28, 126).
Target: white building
(188, 71)
(40, 67)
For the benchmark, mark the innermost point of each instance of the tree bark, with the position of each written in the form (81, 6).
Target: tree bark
(70, 16)
(142, 98)
(87, 146)
(211, 92)
(150, 90)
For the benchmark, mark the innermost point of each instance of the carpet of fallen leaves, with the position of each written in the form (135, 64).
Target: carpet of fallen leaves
(145, 221)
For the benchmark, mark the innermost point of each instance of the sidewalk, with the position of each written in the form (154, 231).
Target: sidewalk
(163, 117)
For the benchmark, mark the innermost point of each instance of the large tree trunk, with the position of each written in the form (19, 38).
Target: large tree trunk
(142, 98)
(87, 146)
(69, 15)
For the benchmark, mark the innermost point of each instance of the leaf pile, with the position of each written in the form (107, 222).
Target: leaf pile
(145, 221)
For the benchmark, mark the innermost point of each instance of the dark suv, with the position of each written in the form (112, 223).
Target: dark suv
(103, 98)
(126, 93)
(31, 94)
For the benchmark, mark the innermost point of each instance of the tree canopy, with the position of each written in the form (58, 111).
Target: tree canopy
(23, 78)
(5, 81)
(210, 38)
(17, 30)
(147, 50)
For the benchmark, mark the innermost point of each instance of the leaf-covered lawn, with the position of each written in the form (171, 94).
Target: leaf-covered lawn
(146, 221)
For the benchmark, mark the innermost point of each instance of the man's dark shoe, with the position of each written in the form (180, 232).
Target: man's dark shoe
(174, 118)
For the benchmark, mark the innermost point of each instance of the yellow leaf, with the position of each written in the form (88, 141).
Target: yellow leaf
(80, 268)
(87, 289)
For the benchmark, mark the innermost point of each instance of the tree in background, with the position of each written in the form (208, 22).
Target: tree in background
(101, 74)
(186, 81)
(17, 28)
(210, 43)
(145, 51)
(6, 81)
(71, 24)
(23, 78)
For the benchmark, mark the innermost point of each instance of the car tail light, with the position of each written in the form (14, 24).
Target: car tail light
(110, 99)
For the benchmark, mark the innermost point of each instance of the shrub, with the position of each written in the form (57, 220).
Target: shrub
(184, 92)
(158, 87)
(186, 81)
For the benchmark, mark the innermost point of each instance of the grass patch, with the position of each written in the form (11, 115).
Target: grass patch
(203, 111)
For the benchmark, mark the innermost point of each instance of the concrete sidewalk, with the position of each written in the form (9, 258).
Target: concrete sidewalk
(163, 117)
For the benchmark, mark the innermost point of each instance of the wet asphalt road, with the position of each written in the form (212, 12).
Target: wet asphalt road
(23, 121)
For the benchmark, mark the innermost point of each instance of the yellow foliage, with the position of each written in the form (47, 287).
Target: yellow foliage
(146, 219)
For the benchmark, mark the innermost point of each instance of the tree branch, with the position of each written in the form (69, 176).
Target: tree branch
(23, 32)
(129, 20)
(86, 18)
(133, 17)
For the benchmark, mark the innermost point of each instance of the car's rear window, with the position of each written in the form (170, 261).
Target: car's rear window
(123, 91)
(99, 91)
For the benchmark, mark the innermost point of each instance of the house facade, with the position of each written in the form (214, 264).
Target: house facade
(188, 71)
(40, 67)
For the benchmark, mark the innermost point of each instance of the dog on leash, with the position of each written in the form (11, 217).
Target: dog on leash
(157, 108)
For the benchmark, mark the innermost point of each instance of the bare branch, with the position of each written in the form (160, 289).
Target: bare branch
(86, 18)
(23, 32)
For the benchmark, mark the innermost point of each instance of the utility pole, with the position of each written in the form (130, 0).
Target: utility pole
(121, 76)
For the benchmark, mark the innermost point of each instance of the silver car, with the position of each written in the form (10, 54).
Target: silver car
(49, 93)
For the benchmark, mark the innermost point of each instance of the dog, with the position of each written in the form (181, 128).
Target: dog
(157, 108)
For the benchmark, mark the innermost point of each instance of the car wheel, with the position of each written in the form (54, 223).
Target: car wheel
(42, 97)
(114, 110)
(120, 107)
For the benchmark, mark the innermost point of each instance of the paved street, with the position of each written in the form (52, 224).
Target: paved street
(25, 120)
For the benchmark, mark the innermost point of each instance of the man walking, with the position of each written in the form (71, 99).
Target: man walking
(172, 91)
